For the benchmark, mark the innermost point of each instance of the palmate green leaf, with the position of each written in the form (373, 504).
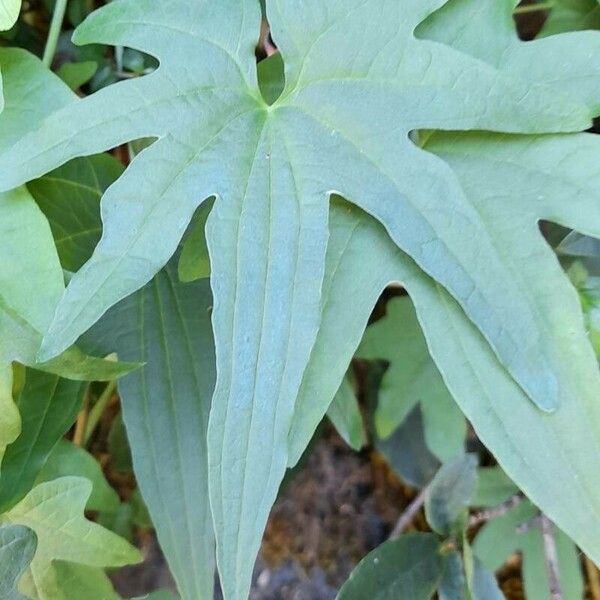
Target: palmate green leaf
(17, 547)
(410, 379)
(272, 169)
(409, 567)
(165, 405)
(54, 511)
(552, 457)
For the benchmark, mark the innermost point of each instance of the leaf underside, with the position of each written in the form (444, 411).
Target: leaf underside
(272, 169)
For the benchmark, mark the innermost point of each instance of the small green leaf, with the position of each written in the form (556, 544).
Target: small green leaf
(407, 453)
(412, 378)
(55, 512)
(450, 493)
(77, 74)
(65, 460)
(194, 262)
(346, 417)
(17, 548)
(68, 581)
(493, 487)
(481, 582)
(409, 567)
(453, 585)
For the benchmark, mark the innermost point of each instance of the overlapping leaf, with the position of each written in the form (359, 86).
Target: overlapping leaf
(552, 457)
(9, 13)
(17, 547)
(410, 379)
(166, 404)
(272, 168)
(54, 511)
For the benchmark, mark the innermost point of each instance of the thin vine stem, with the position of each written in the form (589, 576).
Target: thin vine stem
(58, 16)
(530, 8)
(97, 411)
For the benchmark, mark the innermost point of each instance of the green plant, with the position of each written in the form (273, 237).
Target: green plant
(408, 143)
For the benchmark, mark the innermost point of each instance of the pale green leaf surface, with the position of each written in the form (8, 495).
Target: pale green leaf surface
(409, 567)
(27, 304)
(9, 13)
(165, 407)
(344, 413)
(566, 65)
(48, 406)
(513, 183)
(553, 458)
(17, 547)
(65, 460)
(411, 378)
(54, 511)
(272, 169)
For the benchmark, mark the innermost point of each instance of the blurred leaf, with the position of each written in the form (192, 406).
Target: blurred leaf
(407, 454)
(499, 539)
(66, 459)
(481, 582)
(493, 487)
(76, 74)
(450, 493)
(161, 595)
(68, 581)
(453, 585)
(54, 511)
(412, 378)
(118, 446)
(409, 567)
(70, 199)
(17, 548)
(344, 413)
(572, 15)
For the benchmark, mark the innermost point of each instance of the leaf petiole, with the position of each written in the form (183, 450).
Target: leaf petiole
(58, 17)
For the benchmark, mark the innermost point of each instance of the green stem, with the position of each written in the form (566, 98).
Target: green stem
(58, 16)
(530, 8)
(98, 410)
